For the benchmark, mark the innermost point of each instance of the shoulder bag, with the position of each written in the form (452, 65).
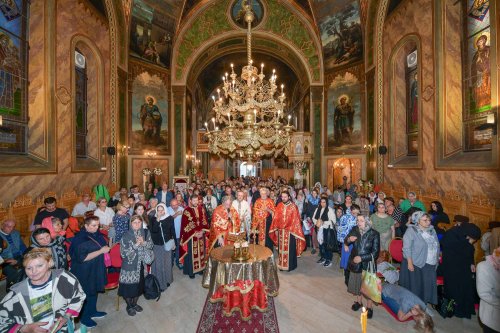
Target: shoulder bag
(371, 286)
(167, 246)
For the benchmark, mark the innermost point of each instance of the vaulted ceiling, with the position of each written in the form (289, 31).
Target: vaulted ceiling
(338, 24)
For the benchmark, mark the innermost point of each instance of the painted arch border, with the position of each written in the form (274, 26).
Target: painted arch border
(231, 31)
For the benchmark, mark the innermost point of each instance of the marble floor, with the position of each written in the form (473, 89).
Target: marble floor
(312, 299)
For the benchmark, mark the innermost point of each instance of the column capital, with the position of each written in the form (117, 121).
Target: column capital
(178, 93)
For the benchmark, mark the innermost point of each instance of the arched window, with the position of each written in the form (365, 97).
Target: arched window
(412, 95)
(81, 104)
(13, 76)
(477, 75)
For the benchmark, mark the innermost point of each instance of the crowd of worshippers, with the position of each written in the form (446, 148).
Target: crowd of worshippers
(166, 226)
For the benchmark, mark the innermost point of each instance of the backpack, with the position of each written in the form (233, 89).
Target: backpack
(151, 288)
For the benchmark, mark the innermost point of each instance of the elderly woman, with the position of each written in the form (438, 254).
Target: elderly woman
(458, 267)
(420, 258)
(44, 302)
(366, 246)
(162, 230)
(105, 215)
(324, 219)
(153, 202)
(344, 227)
(384, 224)
(136, 249)
(87, 264)
(488, 289)
(40, 238)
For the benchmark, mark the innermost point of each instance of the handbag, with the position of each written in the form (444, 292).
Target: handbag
(107, 256)
(330, 240)
(371, 286)
(167, 246)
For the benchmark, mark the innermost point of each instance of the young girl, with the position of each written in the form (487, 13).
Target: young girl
(55, 226)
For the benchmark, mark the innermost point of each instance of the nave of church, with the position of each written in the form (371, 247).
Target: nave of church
(376, 121)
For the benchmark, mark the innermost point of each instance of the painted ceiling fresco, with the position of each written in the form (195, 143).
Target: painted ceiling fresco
(340, 31)
(153, 28)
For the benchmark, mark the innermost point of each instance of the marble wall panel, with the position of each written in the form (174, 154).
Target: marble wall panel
(403, 21)
(72, 18)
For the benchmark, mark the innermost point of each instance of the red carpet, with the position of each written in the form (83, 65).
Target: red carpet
(214, 321)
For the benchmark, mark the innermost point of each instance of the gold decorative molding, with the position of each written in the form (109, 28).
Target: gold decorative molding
(428, 93)
(22, 201)
(453, 195)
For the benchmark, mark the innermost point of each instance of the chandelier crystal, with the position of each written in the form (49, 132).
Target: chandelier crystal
(249, 112)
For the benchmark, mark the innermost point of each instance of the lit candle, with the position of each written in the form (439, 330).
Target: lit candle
(363, 319)
(229, 118)
(206, 126)
(213, 97)
(289, 117)
(282, 86)
(213, 121)
(262, 68)
(255, 116)
(218, 92)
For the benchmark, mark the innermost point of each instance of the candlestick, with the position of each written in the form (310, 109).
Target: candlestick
(363, 319)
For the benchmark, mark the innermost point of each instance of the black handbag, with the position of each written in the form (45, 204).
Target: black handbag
(330, 240)
(446, 307)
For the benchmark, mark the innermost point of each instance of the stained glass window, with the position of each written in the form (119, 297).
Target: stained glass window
(412, 95)
(477, 74)
(81, 104)
(13, 76)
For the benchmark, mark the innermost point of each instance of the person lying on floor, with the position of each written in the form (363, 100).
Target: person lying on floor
(406, 305)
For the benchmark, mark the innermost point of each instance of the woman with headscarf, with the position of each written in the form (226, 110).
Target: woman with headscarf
(488, 289)
(365, 249)
(40, 238)
(420, 258)
(344, 227)
(136, 249)
(162, 230)
(458, 267)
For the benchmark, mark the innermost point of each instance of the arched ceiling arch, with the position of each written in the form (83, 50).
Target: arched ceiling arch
(282, 25)
(237, 45)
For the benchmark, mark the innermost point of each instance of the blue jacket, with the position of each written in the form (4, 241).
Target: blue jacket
(18, 244)
(168, 197)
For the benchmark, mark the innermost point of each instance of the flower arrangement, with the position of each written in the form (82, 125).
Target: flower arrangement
(157, 171)
(146, 171)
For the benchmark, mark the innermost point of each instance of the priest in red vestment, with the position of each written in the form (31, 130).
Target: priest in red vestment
(286, 232)
(194, 225)
(225, 225)
(263, 211)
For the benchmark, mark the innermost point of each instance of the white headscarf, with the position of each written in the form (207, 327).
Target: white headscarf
(164, 209)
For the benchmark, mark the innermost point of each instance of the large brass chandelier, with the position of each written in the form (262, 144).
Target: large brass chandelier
(249, 112)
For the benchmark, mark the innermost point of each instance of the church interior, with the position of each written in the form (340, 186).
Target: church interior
(391, 96)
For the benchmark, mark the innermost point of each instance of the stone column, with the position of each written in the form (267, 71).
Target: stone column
(179, 127)
(317, 106)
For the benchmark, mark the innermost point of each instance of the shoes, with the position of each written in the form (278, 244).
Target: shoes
(88, 323)
(313, 251)
(99, 314)
(370, 313)
(327, 263)
(356, 306)
(138, 308)
(131, 312)
(321, 261)
(168, 285)
(191, 276)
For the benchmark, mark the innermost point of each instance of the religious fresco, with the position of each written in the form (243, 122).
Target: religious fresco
(13, 76)
(341, 33)
(477, 73)
(343, 121)
(152, 29)
(149, 114)
(238, 12)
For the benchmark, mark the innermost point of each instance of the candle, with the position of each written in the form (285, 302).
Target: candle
(255, 116)
(213, 121)
(363, 319)
(289, 117)
(262, 68)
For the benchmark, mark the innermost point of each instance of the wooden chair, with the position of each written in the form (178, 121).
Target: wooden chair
(23, 211)
(398, 192)
(480, 212)
(49, 194)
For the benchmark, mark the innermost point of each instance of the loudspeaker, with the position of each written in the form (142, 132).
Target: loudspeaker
(382, 150)
(111, 150)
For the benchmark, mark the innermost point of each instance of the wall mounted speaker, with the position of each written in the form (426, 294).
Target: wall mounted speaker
(111, 150)
(382, 150)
